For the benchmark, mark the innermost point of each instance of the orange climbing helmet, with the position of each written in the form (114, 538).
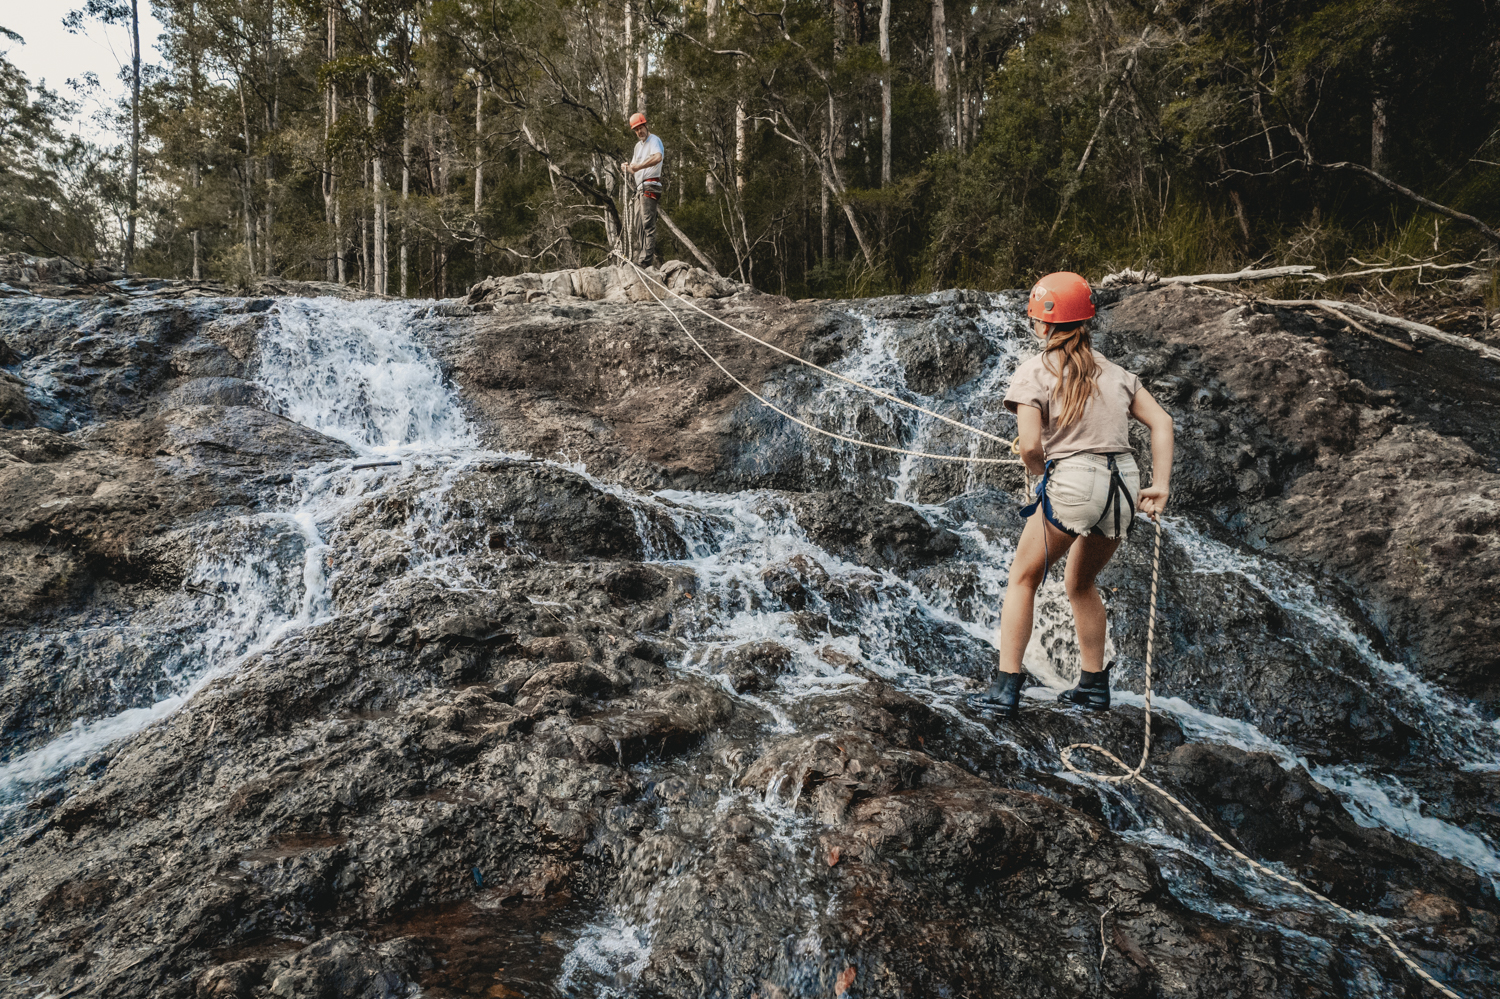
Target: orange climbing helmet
(1063, 297)
(637, 119)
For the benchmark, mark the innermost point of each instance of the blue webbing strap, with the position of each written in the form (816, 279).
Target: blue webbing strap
(1046, 505)
(1117, 489)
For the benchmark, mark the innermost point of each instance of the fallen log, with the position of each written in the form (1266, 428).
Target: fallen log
(1345, 317)
(1370, 315)
(1263, 274)
(1306, 271)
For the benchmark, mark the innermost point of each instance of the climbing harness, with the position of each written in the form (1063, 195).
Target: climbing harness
(1128, 773)
(1117, 490)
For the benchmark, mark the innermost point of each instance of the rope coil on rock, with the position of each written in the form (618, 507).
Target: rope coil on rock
(1128, 773)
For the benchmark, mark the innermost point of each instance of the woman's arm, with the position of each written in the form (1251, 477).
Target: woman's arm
(1029, 423)
(1159, 422)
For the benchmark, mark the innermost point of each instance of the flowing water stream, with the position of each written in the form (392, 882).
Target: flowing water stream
(363, 373)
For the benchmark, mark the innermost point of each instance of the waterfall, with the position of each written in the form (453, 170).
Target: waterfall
(365, 373)
(354, 371)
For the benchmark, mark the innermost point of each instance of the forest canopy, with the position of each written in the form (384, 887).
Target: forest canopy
(813, 148)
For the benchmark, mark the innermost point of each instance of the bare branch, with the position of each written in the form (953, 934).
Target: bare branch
(1406, 192)
(1420, 329)
(1335, 313)
(1400, 189)
(1290, 270)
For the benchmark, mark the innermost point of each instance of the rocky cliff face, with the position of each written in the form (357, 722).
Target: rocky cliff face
(610, 682)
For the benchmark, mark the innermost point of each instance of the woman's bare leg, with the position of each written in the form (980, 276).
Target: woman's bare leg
(1032, 559)
(1090, 555)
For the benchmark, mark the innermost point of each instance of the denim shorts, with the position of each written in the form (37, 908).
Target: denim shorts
(1078, 490)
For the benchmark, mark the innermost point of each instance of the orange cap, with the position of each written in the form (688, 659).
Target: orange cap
(1063, 297)
(637, 119)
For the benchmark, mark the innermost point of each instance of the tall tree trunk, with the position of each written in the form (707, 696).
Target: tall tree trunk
(377, 194)
(196, 177)
(338, 236)
(478, 176)
(825, 219)
(339, 247)
(135, 132)
(268, 162)
(629, 88)
(826, 222)
(330, 182)
(960, 93)
(640, 73)
(442, 192)
(940, 69)
(405, 193)
(405, 152)
(364, 232)
(247, 177)
(739, 146)
(1380, 70)
(885, 93)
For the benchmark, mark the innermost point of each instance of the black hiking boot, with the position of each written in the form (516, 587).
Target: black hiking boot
(1002, 697)
(1092, 691)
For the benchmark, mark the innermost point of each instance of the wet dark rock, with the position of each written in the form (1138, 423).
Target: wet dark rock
(1331, 447)
(234, 980)
(524, 502)
(522, 713)
(613, 387)
(215, 390)
(871, 532)
(345, 966)
(1283, 815)
(15, 410)
(222, 437)
(754, 666)
(940, 358)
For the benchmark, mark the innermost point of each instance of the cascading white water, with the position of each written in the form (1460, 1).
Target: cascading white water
(360, 373)
(353, 371)
(734, 538)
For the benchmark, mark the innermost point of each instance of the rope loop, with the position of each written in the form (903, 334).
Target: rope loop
(1129, 774)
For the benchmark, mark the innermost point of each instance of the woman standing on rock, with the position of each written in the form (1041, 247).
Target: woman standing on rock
(1073, 407)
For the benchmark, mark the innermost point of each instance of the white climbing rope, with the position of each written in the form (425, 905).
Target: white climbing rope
(647, 280)
(1128, 773)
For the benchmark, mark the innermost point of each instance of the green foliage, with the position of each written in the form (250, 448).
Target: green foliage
(55, 192)
(1176, 137)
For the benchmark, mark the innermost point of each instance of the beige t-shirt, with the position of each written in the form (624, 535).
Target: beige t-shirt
(1104, 426)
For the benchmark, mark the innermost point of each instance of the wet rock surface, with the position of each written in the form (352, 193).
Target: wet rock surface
(495, 719)
(614, 283)
(1379, 465)
(25, 276)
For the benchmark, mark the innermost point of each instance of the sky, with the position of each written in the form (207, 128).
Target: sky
(51, 53)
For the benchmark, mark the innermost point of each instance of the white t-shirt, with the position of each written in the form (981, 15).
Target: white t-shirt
(643, 151)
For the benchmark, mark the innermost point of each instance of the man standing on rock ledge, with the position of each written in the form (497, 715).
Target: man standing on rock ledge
(645, 164)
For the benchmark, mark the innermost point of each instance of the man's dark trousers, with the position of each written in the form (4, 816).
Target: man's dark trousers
(648, 230)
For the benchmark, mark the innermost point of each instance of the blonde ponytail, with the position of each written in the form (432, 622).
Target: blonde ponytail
(1077, 372)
